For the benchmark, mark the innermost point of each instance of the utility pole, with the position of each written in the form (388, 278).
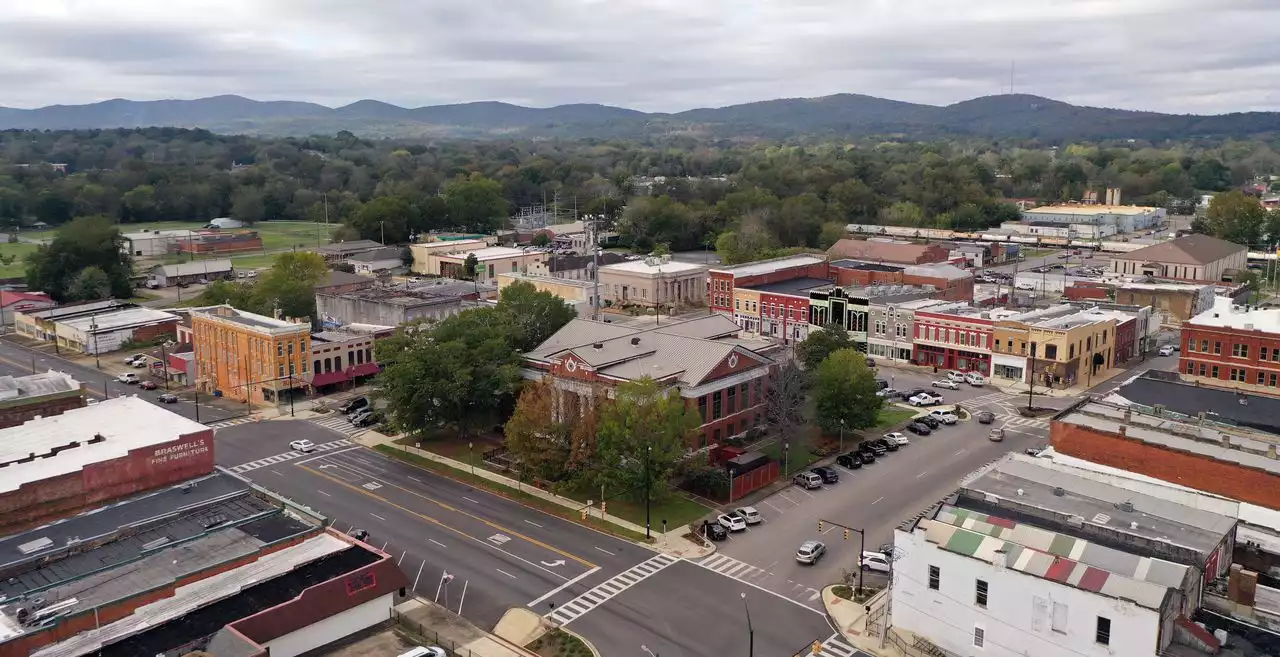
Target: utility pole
(593, 240)
(751, 632)
(1031, 373)
(648, 451)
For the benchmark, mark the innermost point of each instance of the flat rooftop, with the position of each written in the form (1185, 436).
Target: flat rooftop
(1089, 210)
(1151, 389)
(251, 320)
(66, 443)
(1018, 482)
(643, 266)
(78, 309)
(489, 253)
(860, 265)
(771, 265)
(1239, 445)
(794, 286)
(412, 295)
(16, 389)
(1226, 314)
(118, 319)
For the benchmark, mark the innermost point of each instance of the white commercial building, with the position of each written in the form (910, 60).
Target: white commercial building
(1125, 218)
(109, 331)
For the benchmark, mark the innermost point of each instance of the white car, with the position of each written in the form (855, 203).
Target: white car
(874, 561)
(887, 393)
(749, 514)
(946, 383)
(922, 400)
(732, 522)
(974, 379)
(127, 377)
(135, 357)
(302, 446)
(945, 417)
(1166, 350)
(897, 438)
(953, 375)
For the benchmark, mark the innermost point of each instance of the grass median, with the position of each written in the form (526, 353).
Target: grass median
(527, 499)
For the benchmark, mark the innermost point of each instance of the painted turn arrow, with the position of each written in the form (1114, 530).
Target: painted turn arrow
(552, 564)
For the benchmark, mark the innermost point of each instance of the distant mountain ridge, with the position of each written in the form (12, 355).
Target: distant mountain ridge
(1014, 115)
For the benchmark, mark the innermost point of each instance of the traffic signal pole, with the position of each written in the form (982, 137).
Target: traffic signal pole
(862, 543)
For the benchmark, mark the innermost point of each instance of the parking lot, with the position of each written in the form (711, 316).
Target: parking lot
(874, 498)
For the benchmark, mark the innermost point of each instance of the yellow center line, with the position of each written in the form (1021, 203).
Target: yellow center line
(434, 521)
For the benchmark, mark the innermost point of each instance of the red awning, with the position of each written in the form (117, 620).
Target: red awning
(329, 378)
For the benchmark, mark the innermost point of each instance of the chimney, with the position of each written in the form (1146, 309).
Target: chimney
(597, 345)
(1000, 559)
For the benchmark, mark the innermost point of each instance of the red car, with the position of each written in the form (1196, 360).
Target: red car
(147, 385)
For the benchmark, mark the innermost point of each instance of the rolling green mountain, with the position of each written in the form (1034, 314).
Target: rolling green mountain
(852, 115)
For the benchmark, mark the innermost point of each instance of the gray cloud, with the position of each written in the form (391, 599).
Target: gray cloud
(1204, 56)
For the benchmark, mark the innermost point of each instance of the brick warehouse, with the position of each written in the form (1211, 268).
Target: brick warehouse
(1233, 346)
(1235, 462)
(58, 465)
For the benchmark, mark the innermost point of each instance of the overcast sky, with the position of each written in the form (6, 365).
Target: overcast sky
(1200, 56)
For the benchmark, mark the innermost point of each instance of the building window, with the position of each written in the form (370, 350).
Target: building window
(743, 391)
(282, 371)
(1237, 374)
(979, 636)
(290, 348)
(760, 390)
(1191, 368)
(1213, 372)
(1240, 350)
(702, 408)
(317, 366)
(1275, 354)
(935, 577)
(1103, 632)
(1204, 346)
(1191, 345)
(980, 593)
(1203, 370)
(279, 350)
(1217, 347)
(1262, 353)
(1059, 621)
(1262, 378)
(715, 408)
(733, 400)
(1271, 380)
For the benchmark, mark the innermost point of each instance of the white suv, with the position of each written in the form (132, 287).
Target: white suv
(127, 377)
(945, 417)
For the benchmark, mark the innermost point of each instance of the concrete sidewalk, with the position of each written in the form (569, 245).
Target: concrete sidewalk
(452, 632)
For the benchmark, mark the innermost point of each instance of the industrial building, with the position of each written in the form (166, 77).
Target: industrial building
(340, 251)
(108, 331)
(42, 323)
(1197, 258)
(1092, 217)
(375, 261)
(192, 272)
(393, 305)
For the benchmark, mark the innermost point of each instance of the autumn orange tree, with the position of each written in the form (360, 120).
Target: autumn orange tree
(542, 444)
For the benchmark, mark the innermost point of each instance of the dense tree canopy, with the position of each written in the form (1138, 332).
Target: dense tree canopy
(86, 261)
(844, 391)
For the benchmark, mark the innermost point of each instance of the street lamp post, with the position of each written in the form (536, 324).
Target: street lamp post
(93, 326)
(751, 632)
(471, 456)
(842, 436)
(786, 458)
(648, 451)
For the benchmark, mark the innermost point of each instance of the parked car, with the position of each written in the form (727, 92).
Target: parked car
(353, 405)
(139, 363)
(985, 417)
(881, 384)
(897, 438)
(302, 446)
(732, 522)
(366, 419)
(996, 435)
(849, 460)
(127, 377)
(359, 415)
(714, 531)
(871, 362)
(130, 359)
(946, 383)
(956, 376)
(873, 447)
(749, 514)
(810, 552)
(829, 475)
(874, 561)
(358, 534)
(974, 379)
(168, 398)
(1166, 350)
(887, 445)
(945, 417)
(887, 393)
(919, 428)
(922, 400)
(866, 456)
(929, 421)
(807, 480)
(425, 651)
(148, 385)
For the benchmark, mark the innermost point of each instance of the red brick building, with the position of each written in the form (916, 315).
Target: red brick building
(954, 338)
(1234, 347)
(55, 466)
(902, 253)
(39, 395)
(1213, 458)
(952, 283)
(724, 280)
(715, 374)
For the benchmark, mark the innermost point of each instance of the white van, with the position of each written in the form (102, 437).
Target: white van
(974, 379)
(958, 377)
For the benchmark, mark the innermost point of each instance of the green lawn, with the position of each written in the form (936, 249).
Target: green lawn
(890, 415)
(253, 261)
(19, 251)
(800, 456)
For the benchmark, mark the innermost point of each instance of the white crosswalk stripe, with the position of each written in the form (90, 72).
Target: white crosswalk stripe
(744, 572)
(338, 422)
(834, 645)
(1026, 422)
(287, 456)
(571, 610)
(222, 424)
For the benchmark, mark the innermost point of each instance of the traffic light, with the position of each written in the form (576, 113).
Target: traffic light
(604, 508)
(584, 513)
(846, 534)
(819, 526)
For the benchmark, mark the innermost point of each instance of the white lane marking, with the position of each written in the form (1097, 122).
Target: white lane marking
(878, 500)
(533, 523)
(962, 450)
(469, 499)
(922, 474)
(415, 579)
(564, 586)
(604, 550)
(323, 493)
(440, 585)
(401, 557)
(415, 478)
(377, 516)
(784, 496)
(805, 492)
(437, 543)
(506, 573)
(771, 506)
(278, 472)
(464, 596)
(326, 454)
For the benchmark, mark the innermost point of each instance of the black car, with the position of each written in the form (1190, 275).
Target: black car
(929, 421)
(919, 429)
(874, 448)
(881, 384)
(867, 456)
(366, 419)
(714, 530)
(829, 475)
(353, 405)
(849, 460)
(871, 362)
(986, 417)
(891, 447)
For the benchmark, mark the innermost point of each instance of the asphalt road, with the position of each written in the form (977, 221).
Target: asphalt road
(20, 360)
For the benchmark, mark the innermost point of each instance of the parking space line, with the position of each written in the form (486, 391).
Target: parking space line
(464, 595)
(922, 474)
(437, 543)
(604, 551)
(805, 492)
(415, 579)
(506, 573)
(771, 506)
(783, 495)
(377, 516)
(878, 500)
